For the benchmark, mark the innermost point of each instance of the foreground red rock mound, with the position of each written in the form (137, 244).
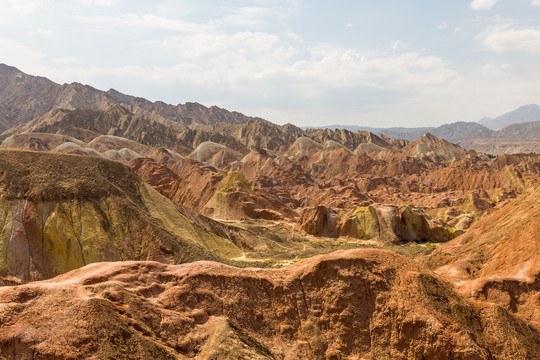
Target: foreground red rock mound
(355, 304)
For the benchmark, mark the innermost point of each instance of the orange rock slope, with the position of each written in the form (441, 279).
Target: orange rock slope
(258, 170)
(355, 304)
(498, 259)
(448, 186)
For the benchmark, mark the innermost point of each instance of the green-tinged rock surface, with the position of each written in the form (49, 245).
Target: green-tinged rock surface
(232, 180)
(361, 223)
(60, 212)
(392, 225)
(417, 225)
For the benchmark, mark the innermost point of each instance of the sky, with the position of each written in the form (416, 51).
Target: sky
(311, 63)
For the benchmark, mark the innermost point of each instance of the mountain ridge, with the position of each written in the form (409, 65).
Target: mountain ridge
(517, 131)
(26, 97)
(523, 114)
(456, 130)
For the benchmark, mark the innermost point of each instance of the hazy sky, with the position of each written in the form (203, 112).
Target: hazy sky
(373, 63)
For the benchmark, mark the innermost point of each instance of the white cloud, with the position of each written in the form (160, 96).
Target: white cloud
(494, 70)
(535, 2)
(248, 16)
(256, 64)
(150, 21)
(15, 54)
(399, 44)
(214, 62)
(66, 61)
(214, 54)
(237, 17)
(104, 3)
(12, 9)
(41, 32)
(502, 38)
(253, 60)
(342, 67)
(483, 4)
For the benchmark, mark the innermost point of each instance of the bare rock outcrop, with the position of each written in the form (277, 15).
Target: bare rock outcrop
(498, 259)
(59, 212)
(353, 304)
(319, 220)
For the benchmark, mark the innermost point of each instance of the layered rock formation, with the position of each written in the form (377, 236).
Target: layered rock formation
(498, 259)
(298, 170)
(87, 125)
(448, 186)
(26, 97)
(354, 304)
(258, 170)
(61, 212)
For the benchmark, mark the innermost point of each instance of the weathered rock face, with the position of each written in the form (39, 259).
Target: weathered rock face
(498, 259)
(362, 223)
(220, 194)
(319, 220)
(191, 139)
(430, 146)
(235, 198)
(451, 194)
(262, 135)
(87, 125)
(349, 139)
(60, 212)
(353, 304)
(392, 224)
(27, 97)
(215, 154)
(303, 146)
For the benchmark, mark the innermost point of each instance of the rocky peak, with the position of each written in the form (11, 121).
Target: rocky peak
(431, 146)
(10, 69)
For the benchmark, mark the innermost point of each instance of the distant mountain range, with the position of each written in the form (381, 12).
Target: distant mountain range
(523, 114)
(25, 97)
(450, 132)
(516, 131)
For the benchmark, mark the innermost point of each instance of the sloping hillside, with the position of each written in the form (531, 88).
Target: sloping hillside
(60, 212)
(26, 97)
(357, 304)
(498, 259)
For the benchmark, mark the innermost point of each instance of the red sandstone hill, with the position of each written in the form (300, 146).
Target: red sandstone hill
(350, 304)
(453, 192)
(284, 194)
(222, 171)
(498, 259)
(450, 186)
